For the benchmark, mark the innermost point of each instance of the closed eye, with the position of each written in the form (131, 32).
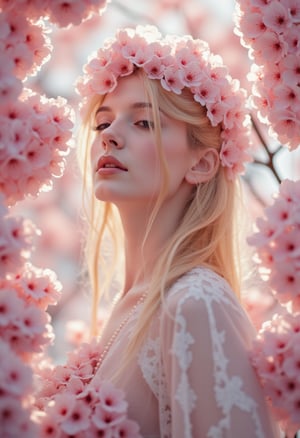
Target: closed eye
(145, 124)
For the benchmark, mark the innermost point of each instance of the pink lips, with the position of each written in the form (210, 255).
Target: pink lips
(109, 165)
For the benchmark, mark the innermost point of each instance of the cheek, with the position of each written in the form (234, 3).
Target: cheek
(149, 155)
(176, 148)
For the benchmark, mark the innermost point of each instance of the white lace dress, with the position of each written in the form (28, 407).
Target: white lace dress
(192, 377)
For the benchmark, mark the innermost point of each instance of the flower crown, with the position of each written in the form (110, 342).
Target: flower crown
(178, 62)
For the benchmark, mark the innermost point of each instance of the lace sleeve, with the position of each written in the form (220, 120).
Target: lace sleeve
(212, 389)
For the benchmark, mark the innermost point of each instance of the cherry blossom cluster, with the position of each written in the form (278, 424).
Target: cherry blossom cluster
(277, 243)
(276, 358)
(36, 134)
(16, 239)
(73, 402)
(270, 29)
(60, 12)
(177, 62)
(25, 46)
(24, 331)
(15, 387)
(24, 298)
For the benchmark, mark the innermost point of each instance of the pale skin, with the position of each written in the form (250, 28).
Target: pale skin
(123, 133)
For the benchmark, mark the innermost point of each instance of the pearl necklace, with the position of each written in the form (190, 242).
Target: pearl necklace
(118, 330)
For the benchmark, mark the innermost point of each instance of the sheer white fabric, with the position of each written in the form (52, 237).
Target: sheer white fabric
(192, 376)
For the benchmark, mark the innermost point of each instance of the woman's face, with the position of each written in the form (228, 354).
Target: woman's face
(125, 160)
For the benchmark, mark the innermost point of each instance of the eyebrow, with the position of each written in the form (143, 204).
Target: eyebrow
(136, 105)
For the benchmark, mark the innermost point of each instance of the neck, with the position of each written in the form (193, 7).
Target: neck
(141, 254)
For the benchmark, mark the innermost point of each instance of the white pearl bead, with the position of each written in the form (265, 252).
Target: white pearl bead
(117, 331)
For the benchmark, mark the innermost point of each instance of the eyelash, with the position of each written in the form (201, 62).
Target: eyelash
(101, 126)
(144, 124)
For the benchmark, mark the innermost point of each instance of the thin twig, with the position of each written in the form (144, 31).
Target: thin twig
(271, 155)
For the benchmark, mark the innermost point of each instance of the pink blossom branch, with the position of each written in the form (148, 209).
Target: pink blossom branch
(271, 155)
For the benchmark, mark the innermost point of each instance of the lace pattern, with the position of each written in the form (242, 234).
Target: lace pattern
(201, 287)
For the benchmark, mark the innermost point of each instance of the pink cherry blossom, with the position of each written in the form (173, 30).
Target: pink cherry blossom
(128, 429)
(269, 46)
(48, 427)
(190, 75)
(158, 50)
(75, 383)
(272, 76)
(11, 306)
(17, 24)
(287, 96)
(10, 86)
(131, 49)
(39, 44)
(17, 377)
(123, 67)
(154, 67)
(39, 286)
(215, 112)
(276, 16)
(112, 399)
(64, 404)
(102, 418)
(291, 366)
(16, 242)
(172, 80)
(267, 231)
(293, 40)
(252, 25)
(185, 57)
(103, 82)
(293, 9)
(22, 57)
(66, 12)
(277, 244)
(13, 418)
(285, 125)
(206, 92)
(289, 190)
(32, 321)
(229, 154)
(278, 214)
(97, 64)
(290, 66)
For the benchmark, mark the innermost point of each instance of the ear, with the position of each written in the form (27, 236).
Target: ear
(204, 167)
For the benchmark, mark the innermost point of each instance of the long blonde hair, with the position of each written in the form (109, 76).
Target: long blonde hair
(205, 235)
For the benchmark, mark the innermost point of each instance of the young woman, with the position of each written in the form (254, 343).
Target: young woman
(166, 136)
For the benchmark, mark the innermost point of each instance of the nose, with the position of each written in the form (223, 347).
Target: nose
(111, 139)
